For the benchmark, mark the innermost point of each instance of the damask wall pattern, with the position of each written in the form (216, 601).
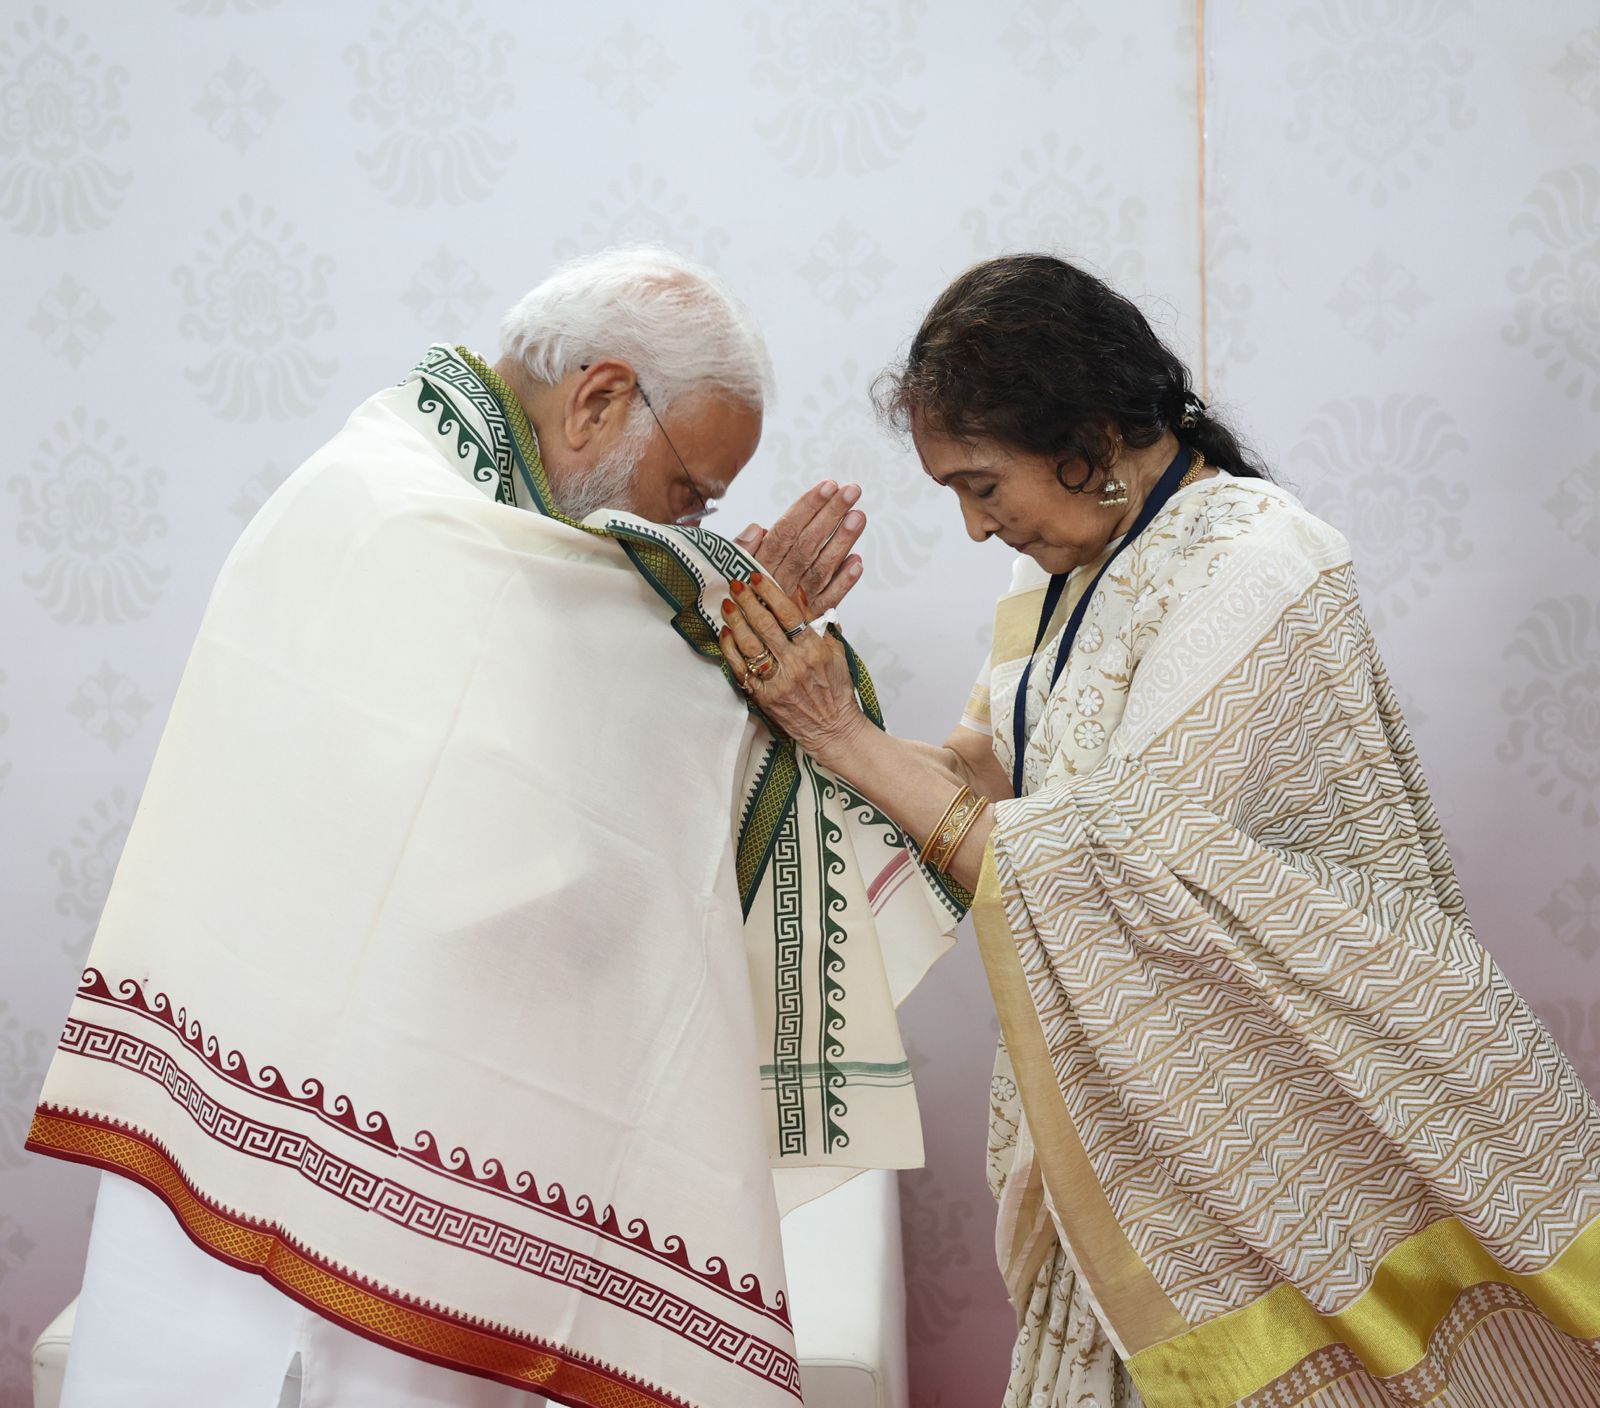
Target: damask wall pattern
(225, 222)
(1408, 208)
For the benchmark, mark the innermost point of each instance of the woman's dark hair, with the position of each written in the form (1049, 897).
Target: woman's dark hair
(1033, 352)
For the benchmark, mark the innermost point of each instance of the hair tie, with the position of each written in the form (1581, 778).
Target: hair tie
(1193, 409)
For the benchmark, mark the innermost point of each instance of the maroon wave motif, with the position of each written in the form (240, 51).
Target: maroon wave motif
(581, 1211)
(375, 1130)
(267, 1081)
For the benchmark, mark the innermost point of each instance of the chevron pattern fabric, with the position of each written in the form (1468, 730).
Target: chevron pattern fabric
(1302, 1097)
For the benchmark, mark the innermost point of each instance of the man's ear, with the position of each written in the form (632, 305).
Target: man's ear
(598, 401)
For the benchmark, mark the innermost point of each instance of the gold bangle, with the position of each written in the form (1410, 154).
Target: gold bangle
(962, 793)
(952, 830)
(966, 826)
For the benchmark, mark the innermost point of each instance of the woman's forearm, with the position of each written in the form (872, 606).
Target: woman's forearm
(914, 783)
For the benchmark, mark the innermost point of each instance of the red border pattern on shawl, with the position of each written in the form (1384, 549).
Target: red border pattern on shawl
(357, 1304)
(487, 1174)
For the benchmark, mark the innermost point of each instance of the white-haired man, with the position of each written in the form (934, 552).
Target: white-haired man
(477, 954)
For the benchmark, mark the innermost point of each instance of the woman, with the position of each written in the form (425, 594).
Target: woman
(1285, 1134)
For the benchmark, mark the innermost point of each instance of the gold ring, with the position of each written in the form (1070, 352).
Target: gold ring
(762, 668)
(755, 662)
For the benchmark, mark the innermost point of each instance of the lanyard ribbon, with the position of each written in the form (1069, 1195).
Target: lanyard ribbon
(1165, 488)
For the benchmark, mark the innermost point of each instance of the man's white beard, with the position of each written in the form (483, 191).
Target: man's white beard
(608, 485)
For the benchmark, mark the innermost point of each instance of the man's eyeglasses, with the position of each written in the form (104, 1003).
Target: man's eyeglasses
(708, 505)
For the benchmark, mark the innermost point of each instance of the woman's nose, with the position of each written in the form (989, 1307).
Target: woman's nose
(980, 527)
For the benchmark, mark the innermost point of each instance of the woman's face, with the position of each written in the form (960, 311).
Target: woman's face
(1015, 496)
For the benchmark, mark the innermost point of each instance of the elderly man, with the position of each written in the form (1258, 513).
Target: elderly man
(477, 954)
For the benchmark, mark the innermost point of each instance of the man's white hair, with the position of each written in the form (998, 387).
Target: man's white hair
(675, 323)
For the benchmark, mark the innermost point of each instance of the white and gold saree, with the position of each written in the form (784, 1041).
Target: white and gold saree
(1283, 1125)
(475, 958)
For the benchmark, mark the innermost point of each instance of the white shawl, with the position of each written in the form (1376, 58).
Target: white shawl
(462, 909)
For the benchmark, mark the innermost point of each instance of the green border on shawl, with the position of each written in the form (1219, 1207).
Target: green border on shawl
(830, 968)
(525, 444)
(771, 800)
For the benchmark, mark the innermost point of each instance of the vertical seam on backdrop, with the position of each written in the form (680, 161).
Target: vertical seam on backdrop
(1200, 192)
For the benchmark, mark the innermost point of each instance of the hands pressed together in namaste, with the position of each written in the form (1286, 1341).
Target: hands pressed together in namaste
(799, 676)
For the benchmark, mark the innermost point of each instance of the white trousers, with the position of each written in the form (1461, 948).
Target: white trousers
(160, 1324)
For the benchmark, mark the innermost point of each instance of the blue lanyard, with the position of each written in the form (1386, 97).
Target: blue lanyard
(1165, 488)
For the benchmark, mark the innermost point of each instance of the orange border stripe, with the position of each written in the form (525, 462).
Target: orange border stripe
(384, 1317)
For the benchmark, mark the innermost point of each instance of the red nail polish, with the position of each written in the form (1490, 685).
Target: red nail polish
(736, 586)
(727, 608)
(755, 579)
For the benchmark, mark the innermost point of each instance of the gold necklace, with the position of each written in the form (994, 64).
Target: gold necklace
(1193, 472)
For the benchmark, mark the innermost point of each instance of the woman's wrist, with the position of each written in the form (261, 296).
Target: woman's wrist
(843, 748)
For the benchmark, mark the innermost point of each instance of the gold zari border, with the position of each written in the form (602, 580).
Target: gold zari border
(378, 1317)
(1139, 1311)
(1388, 1325)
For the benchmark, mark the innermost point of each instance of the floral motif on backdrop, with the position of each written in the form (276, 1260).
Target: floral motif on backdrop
(1058, 199)
(1573, 913)
(1383, 91)
(1385, 476)
(1553, 712)
(836, 67)
(1575, 505)
(643, 207)
(846, 267)
(109, 706)
(24, 1050)
(632, 71)
(237, 104)
(90, 507)
(61, 130)
(435, 82)
(1378, 301)
(445, 294)
(255, 299)
(85, 864)
(70, 321)
(1046, 39)
(1557, 313)
(1578, 68)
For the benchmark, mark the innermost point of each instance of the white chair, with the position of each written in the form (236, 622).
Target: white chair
(846, 1290)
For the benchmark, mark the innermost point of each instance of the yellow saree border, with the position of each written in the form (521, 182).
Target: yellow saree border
(1227, 1359)
(358, 1306)
(1138, 1312)
(1388, 1326)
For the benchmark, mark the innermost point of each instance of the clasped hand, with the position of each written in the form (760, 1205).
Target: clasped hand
(799, 677)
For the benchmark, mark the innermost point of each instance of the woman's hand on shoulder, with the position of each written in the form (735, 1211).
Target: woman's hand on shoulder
(799, 678)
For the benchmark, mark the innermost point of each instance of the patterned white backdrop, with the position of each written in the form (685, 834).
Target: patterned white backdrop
(227, 221)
